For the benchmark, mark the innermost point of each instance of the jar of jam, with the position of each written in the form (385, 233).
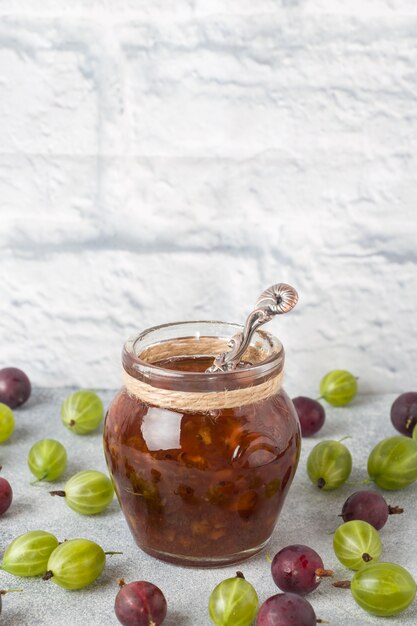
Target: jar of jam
(201, 461)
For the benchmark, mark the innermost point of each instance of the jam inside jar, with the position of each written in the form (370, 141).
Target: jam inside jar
(199, 483)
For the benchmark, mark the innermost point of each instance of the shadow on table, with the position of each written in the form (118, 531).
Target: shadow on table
(13, 617)
(20, 434)
(175, 618)
(18, 508)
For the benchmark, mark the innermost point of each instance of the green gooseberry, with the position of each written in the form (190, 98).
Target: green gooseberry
(87, 492)
(28, 554)
(355, 543)
(338, 387)
(329, 464)
(392, 464)
(234, 602)
(82, 411)
(47, 459)
(6, 422)
(383, 589)
(76, 563)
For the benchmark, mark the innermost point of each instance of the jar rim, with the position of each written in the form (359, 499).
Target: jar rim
(145, 370)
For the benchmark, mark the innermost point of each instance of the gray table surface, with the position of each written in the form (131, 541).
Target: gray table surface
(308, 517)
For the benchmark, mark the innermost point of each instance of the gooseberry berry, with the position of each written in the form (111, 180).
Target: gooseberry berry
(392, 464)
(15, 387)
(28, 554)
(6, 495)
(286, 609)
(338, 387)
(87, 492)
(76, 563)
(383, 589)
(47, 459)
(310, 413)
(298, 569)
(329, 464)
(404, 413)
(82, 411)
(368, 506)
(140, 603)
(356, 543)
(6, 422)
(233, 602)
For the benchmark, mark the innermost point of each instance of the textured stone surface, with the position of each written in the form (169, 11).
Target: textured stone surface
(169, 160)
(308, 517)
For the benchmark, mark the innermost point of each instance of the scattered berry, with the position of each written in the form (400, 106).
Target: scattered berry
(404, 413)
(140, 603)
(286, 609)
(28, 554)
(338, 387)
(356, 543)
(6, 495)
(75, 564)
(368, 506)
(6, 422)
(392, 464)
(82, 411)
(329, 465)
(383, 589)
(311, 415)
(298, 569)
(233, 602)
(88, 492)
(15, 387)
(47, 459)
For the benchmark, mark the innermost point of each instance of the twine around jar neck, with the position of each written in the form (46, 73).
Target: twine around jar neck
(206, 400)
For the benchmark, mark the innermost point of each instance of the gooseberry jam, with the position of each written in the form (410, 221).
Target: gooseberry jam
(201, 487)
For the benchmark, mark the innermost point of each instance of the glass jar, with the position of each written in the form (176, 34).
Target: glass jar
(201, 462)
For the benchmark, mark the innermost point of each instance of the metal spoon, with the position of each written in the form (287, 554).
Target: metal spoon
(276, 300)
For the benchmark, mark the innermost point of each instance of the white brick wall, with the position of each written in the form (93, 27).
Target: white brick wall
(169, 159)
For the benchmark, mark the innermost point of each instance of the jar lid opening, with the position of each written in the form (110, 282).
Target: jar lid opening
(141, 353)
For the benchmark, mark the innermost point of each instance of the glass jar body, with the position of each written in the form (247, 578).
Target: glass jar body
(202, 488)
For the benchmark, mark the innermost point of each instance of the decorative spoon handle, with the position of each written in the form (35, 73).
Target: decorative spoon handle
(276, 300)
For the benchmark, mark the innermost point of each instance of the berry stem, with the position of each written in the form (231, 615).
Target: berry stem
(395, 510)
(48, 575)
(38, 480)
(57, 493)
(366, 557)
(268, 557)
(240, 575)
(323, 573)
(3, 591)
(121, 582)
(320, 483)
(111, 553)
(342, 584)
